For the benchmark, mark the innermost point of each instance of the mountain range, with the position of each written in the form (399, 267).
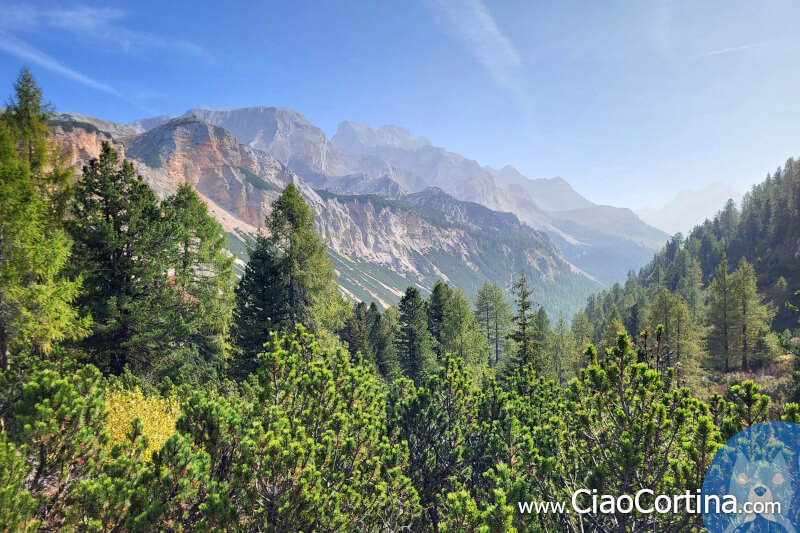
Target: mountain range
(395, 210)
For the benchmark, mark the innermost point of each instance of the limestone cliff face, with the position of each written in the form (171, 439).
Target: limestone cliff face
(83, 138)
(380, 245)
(285, 134)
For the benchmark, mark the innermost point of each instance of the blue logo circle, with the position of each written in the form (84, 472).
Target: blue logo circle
(753, 483)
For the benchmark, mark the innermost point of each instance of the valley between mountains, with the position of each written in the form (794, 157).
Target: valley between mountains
(394, 210)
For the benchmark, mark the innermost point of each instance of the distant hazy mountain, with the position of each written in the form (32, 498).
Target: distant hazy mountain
(145, 124)
(603, 241)
(689, 208)
(389, 162)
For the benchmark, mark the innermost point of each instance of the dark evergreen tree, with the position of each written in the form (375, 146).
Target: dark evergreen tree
(440, 295)
(524, 333)
(381, 336)
(122, 249)
(356, 332)
(262, 304)
(413, 338)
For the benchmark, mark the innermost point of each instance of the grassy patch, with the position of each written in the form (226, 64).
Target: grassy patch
(69, 125)
(255, 181)
(152, 160)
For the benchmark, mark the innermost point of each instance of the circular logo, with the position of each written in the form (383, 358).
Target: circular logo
(753, 483)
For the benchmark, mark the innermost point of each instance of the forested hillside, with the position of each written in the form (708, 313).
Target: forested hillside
(143, 387)
(722, 290)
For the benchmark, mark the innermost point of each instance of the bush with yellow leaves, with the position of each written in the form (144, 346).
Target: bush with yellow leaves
(156, 413)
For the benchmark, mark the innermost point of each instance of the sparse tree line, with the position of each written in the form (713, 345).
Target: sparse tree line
(437, 415)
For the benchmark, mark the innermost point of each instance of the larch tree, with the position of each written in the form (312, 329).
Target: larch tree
(203, 271)
(493, 312)
(462, 334)
(37, 299)
(721, 309)
(564, 354)
(303, 259)
(751, 317)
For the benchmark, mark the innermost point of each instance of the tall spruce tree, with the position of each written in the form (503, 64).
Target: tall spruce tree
(524, 332)
(381, 336)
(356, 332)
(262, 304)
(413, 338)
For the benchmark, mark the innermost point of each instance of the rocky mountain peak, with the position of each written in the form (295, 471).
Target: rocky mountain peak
(285, 134)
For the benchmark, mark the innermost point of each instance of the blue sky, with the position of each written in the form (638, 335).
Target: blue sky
(625, 100)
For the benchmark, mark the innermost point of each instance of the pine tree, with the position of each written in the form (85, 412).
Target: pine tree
(413, 338)
(493, 312)
(307, 270)
(435, 421)
(123, 245)
(440, 295)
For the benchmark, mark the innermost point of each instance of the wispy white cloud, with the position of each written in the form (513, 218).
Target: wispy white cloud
(18, 48)
(98, 24)
(472, 23)
(733, 49)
